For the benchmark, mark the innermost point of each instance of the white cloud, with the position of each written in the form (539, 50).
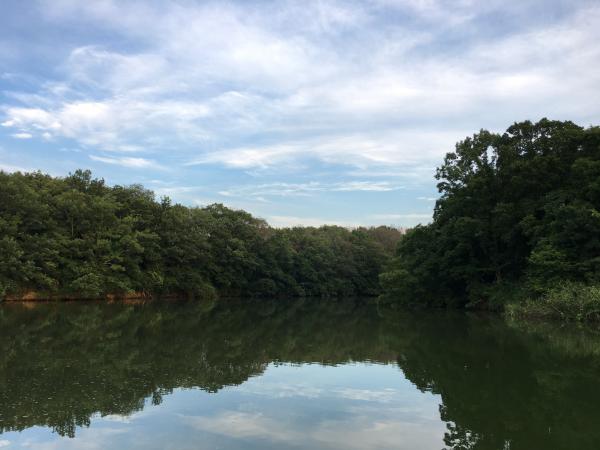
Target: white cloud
(281, 189)
(359, 431)
(251, 88)
(175, 190)
(375, 186)
(405, 220)
(117, 418)
(401, 216)
(285, 390)
(281, 390)
(368, 395)
(245, 425)
(136, 163)
(4, 443)
(22, 135)
(367, 432)
(393, 149)
(115, 124)
(293, 221)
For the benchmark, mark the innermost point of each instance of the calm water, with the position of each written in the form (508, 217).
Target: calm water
(282, 374)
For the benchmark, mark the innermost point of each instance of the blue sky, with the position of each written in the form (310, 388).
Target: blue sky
(301, 112)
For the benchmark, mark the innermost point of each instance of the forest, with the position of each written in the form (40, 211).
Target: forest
(516, 226)
(77, 237)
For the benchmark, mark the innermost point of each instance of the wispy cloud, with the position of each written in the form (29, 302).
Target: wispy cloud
(302, 189)
(293, 221)
(390, 148)
(356, 431)
(382, 88)
(136, 163)
(399, 220)
(402, 216)
(245, 425)
(283, 77)
(22, 135)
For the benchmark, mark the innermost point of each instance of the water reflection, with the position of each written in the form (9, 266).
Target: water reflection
(318, 374)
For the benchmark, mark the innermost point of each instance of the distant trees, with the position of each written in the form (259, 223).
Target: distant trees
(76, 236)
(519, 213)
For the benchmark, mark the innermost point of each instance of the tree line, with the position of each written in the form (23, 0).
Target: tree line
(78, 237)
(516, 227)
(517, 224)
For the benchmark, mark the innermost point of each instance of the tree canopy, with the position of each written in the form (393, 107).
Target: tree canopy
(518, 211)
(78, 237)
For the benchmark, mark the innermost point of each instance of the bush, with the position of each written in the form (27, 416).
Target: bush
(264, 287)
(568, 301)
(88, 285)
(204, 291)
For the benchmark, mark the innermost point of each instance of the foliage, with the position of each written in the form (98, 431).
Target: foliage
(77, 237)
(518, 209)
(566, 301)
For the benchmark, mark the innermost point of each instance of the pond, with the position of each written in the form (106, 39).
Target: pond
(265, 374)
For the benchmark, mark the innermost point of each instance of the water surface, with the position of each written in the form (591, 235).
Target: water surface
(291, 374)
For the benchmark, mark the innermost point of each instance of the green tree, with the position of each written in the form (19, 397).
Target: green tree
(516, 208)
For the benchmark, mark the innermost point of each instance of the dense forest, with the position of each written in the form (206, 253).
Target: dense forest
(517, 224)
(77, 237)
(516, 227)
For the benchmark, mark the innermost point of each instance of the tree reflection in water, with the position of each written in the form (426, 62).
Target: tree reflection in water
(502, 386)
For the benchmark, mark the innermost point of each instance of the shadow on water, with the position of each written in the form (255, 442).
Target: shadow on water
(502, 385)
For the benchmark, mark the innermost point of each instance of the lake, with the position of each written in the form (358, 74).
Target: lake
(250, 374)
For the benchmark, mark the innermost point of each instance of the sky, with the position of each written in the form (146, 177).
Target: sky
(301, 112)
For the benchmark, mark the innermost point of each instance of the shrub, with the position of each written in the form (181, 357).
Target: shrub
(568, 301)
